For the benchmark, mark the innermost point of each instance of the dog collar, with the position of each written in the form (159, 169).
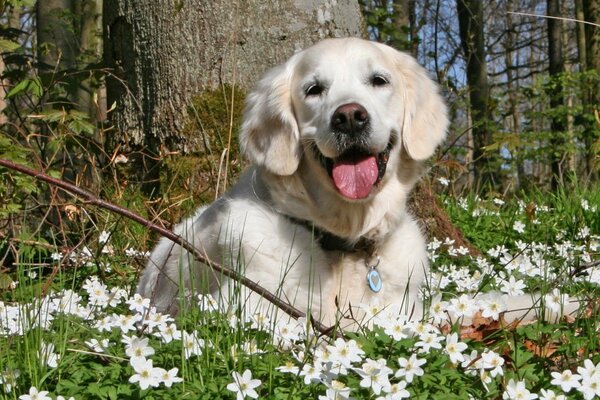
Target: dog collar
(330, 242)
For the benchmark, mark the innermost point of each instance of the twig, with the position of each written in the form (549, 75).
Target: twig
(94, 200)
(553, 17)
(583, 267)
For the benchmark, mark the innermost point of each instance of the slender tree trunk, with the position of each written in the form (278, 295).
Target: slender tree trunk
(401, 21)
(164, 52)
(91, 97)
(471, 26)
(512, 87)
(555, 69)
(57, 46)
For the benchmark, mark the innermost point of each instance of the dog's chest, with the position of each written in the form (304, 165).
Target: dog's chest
(355, 278)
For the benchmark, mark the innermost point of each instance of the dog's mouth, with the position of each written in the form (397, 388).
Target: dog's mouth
(356, 171)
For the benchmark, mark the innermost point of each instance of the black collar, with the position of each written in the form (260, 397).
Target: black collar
(330, 242)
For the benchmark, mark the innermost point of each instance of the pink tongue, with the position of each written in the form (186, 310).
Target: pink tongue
(354, 179)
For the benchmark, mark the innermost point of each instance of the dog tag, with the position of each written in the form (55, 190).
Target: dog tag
(374, 280)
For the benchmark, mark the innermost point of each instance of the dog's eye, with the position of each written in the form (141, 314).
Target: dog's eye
(314, 90)
(379, 80)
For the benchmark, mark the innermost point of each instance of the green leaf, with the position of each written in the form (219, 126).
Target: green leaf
(19, 88)
(8, 45)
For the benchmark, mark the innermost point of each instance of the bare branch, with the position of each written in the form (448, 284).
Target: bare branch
(94, 200)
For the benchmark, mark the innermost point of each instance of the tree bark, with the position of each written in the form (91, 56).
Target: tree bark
(91, 98)
(55, 34)
(555, 69)
(591, 13)
(470, 20)
(163, 53)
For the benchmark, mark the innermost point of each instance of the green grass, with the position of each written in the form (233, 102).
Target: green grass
(558, 233)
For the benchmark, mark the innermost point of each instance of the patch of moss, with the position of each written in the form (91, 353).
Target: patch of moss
(190, 179)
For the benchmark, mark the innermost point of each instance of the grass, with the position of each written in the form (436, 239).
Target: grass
(69, 324)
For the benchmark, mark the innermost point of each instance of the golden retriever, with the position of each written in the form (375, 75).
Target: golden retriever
(337, 136)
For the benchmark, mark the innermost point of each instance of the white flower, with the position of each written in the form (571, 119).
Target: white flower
(168, 378)
(374, 375)
(344, 352)
(47, 355)
(145, 374)
(336, 390)
(454, 348)
(168, 333)
(397, 327)
(207, 303)
(410, 368)
(517, 391)
(464, 306)
(438, 308)
(567, 380)
(8, 379)
(152, 318)
(97, 346)
(260, 322)
(396, 391)
(289, 367)
(550, 395)
(590, 379)
(104, 236)
(288, 332)
(492, 306)
(428, 341)
(443, 181)
(34, 394)
(492, 361)
(556, 301)
(311, 373)
(126, 322)
(513, 287)
(519, 227)
(192, 345)
(136, 347)
(137, 303)
(243, 385)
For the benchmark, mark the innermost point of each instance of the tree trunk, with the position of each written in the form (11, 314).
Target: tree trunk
(512, 86)
(90, 97)
(470, 20)
(159, 68)
(56, 47)
(591, 13)
(555, 69)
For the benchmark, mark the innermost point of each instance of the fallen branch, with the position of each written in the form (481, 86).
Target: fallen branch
(94, 200)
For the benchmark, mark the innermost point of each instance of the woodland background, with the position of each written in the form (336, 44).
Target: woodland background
(139, 101)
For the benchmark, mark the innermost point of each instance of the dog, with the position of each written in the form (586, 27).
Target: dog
(337, 136)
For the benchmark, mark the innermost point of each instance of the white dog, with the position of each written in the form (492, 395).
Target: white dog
(337, 135)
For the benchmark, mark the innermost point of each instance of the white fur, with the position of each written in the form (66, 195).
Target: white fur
(250, 228)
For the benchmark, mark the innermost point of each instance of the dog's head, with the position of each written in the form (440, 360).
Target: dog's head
(350, 104)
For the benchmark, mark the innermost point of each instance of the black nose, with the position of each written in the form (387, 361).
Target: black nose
(350, 119)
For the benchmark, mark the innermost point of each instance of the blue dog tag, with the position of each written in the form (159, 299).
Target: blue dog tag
(374, 280)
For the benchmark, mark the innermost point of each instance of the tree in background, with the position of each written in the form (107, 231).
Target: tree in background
(555, 70)
(158, 69)
(471, 26)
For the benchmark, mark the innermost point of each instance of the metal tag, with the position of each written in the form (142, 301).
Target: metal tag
(374, 280)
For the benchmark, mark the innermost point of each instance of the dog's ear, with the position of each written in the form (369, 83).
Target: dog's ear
(269, 135)
(425, 119)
